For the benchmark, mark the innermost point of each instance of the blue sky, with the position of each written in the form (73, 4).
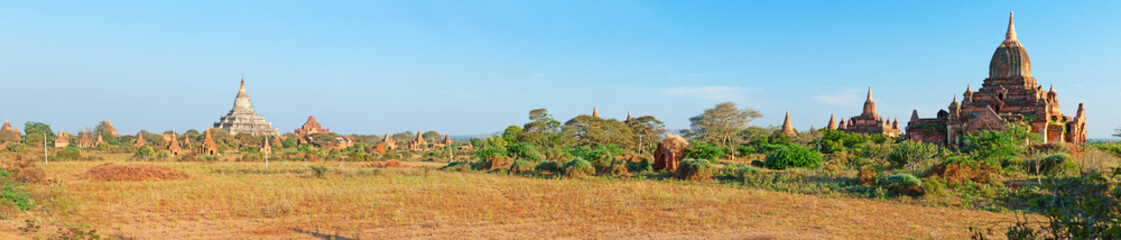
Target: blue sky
(469, 67)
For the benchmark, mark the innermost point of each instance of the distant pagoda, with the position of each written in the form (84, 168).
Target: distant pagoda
(242, 118)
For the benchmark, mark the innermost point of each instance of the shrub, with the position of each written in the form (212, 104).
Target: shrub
(521, 166)
(1085, 207)
(703, 150)
(933, 185)
(600, 156)
(69, 153)
(867, 176)
(745, 150)
(618, 168)
(1112, 148)
(494, 163)
(793, 157)
(458, 166)
(488, 152)
(739, 171)
(15, 147)
(959, 169)
(909, 153)
(1054, 164)
(579, 167)
(547, 167)
(525, 150)
(144, 152)
(318, 171)
(694, 170)
(992, 145)
(641, 166)
(9, 193)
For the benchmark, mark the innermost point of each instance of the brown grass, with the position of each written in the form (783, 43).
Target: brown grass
(389, 164)
(113, 172)
(355, 201)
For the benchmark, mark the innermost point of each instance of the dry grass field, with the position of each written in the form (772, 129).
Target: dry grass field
(286, 201)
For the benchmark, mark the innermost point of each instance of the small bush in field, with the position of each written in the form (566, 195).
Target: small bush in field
(521, 166)
(903, 183)
(909, 153)
(318, 171)
(457, 166)
(702, 150)
(793, 157)
(547, 167)
(579, 167)
(1053, 165)
(641, 166)
(694, 170)
(739, 171)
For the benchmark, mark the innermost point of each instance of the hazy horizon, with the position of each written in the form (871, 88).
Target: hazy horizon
(469, 68)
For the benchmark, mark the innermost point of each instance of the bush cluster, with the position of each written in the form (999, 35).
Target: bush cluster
(793, 157)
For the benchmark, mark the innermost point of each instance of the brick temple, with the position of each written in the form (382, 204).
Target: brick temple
(1008, 95)
(868, 122)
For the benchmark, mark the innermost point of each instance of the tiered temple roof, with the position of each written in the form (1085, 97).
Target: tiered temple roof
(869, 122)
(311, 127)
(242, 118)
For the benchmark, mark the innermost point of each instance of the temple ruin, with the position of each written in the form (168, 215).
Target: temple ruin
(868, 122)
(1009, 95)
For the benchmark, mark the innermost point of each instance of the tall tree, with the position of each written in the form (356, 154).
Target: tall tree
(405, 136)
(541, 122)
(34, 133)
(720, 125)
(592, 131)
(106, 131)
(647, 129)
(544, 131)
(1117, 132)
(432, 136)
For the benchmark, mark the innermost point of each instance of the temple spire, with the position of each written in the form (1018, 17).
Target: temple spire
(832, 123)
(1010, 36)
(595, 111)
(787, 127)
(869, 105)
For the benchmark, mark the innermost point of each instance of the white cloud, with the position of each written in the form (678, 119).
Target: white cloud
(721, 93)
(848, 98)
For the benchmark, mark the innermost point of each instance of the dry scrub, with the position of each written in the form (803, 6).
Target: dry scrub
(282, 203)
(112, 172)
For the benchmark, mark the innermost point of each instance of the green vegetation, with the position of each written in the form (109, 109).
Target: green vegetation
(793, 157)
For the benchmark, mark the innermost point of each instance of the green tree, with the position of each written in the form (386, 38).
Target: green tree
(908, 153)
(648, 130)
(511, 134)
(542, 122)
(432, 136)
(405, 136)
(721, 124)
(106, 131)
(34, 134)
(544, 131)
(591, 131)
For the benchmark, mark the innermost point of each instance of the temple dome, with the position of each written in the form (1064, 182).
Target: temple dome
(1010, 58)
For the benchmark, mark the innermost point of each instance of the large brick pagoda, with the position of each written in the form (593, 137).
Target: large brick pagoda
(242, 118)
(1009, 94)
